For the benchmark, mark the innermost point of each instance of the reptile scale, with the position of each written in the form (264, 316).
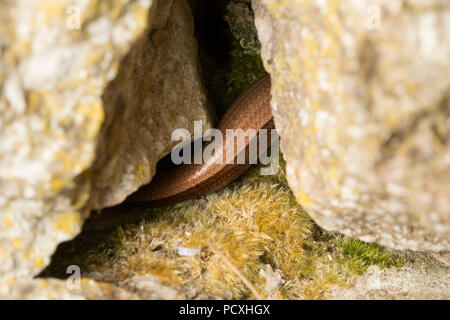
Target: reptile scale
(251, 110)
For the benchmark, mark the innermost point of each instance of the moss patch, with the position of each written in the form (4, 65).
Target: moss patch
(229, 49)
(255, 222)
(360, 255)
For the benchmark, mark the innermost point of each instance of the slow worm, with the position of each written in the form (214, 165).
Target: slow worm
(251, 110)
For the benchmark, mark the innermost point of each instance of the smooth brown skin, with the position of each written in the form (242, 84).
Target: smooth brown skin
(250, 111)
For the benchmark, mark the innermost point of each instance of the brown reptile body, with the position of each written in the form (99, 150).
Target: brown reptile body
(251, 110)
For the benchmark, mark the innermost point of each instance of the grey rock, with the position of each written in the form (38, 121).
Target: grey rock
(58, 86)
(52, 75)
(422, 277)
(363, 113)
(53, 289)
(157, 90)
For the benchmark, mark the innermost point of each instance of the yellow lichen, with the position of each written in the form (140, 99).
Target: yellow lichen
(57, 184)
(17, 243)
(142, 171)
(38, 262)
(68, 222)
(7, 221)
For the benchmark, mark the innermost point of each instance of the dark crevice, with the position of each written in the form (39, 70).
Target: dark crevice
(214, 46)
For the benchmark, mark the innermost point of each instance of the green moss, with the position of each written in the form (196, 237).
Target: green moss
(228, 73)
(227, 81)
(241, 21)
(359, 255)
(246, 68)
(253, 222)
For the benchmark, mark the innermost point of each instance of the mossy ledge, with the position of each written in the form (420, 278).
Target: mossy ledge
(255, 223)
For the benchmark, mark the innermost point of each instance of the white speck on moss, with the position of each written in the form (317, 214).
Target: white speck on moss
(188, 252)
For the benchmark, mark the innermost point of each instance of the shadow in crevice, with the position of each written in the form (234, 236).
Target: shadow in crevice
(214, 46)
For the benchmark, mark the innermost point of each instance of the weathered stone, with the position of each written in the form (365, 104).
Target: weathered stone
(157, 90)
(57, 82)
(363, 114)
(52, 75)
(52, 289)
(148, 287)
(422, 277)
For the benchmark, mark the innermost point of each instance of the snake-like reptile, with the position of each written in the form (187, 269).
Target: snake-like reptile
(251, 110)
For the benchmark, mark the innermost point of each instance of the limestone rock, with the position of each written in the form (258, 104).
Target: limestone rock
(157, 90)
(147, 287)
(53, 289)
(56, 59)
(422, 277)
(361, 101)
(64, 70)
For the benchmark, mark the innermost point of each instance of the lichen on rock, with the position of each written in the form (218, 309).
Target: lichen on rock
(360, 99)
(66, 71)
(55, 289)
(421, 277)
(158, 89)
(52, 74)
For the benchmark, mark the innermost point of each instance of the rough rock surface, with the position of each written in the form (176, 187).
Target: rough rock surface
(361, 101)
(422, 277)
(157, 90)
(58, 84)
(52, 75)
(52, 289)
(148, 287)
